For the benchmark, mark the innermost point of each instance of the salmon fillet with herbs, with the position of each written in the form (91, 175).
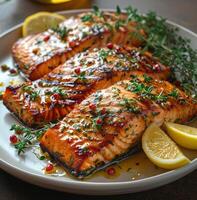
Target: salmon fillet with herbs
(109, 123)
(37, 55)
(55, 95)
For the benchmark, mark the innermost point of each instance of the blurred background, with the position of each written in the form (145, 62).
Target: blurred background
(183, 12)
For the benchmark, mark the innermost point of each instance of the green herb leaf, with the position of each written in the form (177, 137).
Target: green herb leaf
(118, 10)
(27, 137)
(171, 49)
(87, 18)
(119, 23)
(147, 78)
(174, 93)
(97, 12)
(61, 31)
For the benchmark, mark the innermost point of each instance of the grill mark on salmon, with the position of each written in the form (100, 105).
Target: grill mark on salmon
(55, 95)
(83, 145)
(37, 55)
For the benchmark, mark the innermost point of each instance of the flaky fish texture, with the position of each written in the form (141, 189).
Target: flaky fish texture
(109, 123)
(56, 94)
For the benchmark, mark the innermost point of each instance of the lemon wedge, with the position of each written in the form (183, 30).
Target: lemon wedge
(161, 150)
(40, 22)
(185, 136)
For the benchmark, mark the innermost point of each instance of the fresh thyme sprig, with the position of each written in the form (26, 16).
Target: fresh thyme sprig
(27, 137)
(165, 44)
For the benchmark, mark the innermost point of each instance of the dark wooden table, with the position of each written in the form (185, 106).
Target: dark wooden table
(181, 11)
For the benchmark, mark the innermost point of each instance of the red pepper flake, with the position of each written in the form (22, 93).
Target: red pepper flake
(110, 46)
(46, 38)
(13, 72)
(103, 111)
(49, 168)
(157, 67)
(92, 106)
(99, 121)
(72, 44)
(56, 96)
(77, 71)
(111, 171)
(4, 68)
(137, 163)
(13, 139)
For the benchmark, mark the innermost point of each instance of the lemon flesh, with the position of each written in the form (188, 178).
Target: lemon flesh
(53, 1)
(40, 22)
(161, 150)
(183, 135)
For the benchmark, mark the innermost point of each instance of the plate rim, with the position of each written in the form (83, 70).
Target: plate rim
(146, 182)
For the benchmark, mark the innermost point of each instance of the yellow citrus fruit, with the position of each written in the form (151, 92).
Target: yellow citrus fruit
(183, 135)
(40, 22)
(53, 1)
(161, 150)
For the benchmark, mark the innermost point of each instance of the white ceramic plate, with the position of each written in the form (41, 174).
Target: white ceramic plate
(29, 168)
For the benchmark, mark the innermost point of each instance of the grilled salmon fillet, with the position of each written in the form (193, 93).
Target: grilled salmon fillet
(109, 123)
(37, 55)
(55, 95)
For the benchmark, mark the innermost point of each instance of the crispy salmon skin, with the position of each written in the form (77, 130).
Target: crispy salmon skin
(109, 123)
(56, 94)
(37, 55)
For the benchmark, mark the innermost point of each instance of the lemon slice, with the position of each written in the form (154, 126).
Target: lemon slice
(161, 150)
(40, 22)
(53, 1)
(185, 136)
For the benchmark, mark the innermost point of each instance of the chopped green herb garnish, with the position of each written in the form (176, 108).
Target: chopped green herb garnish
(174, 93)
(32, 94)
(140, 88)
(59, 91)
(160, 98)
(103, 54)
(130, 105)
(61, 31)
(145, 91)
(27, 88)
(109, 26)
(87, 18)
(119, 23)
(80, 77)
(147, 78)
(56, 90)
